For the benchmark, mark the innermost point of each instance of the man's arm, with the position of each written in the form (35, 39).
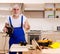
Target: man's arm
(26, 25)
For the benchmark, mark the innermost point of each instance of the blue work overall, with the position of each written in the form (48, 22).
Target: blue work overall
(17, 36)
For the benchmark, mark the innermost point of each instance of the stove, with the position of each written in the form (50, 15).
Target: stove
(34, 34)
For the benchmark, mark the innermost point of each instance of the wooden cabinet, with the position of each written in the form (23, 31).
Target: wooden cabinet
(5, 9)
(49, 10)
(4, 42)
(52, 10)
(57, 10)
(34, 10)
(30, 10)
(34, 14)
(44, 10)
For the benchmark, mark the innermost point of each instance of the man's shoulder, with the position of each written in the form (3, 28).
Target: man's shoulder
(21, 14)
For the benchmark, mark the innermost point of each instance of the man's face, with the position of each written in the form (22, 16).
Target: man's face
(16, 11)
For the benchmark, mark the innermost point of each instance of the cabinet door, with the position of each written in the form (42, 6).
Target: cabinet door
(4, 42)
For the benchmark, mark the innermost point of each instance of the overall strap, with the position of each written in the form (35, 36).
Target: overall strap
(22, 21)
(10, 21)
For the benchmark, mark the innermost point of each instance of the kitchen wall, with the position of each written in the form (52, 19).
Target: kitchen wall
(44, 24)
(2, 22)
(38, 23)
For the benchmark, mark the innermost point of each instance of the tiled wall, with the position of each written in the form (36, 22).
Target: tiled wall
(44, 24)
(38, 23)
(2, 22)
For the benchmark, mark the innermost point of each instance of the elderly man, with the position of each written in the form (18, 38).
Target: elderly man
(19, 22)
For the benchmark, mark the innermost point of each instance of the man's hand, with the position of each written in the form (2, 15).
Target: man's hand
(5, 28)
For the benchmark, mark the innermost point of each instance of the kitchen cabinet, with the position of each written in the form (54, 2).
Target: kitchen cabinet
(57, 10)
(52, 10)
(28, 7)
(49, 10)
(30, 10)
(44, 10)
(4, 42)
(34, 10)
(5, 9)
(34, 14)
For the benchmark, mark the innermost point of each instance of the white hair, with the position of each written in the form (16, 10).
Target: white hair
(16, 5)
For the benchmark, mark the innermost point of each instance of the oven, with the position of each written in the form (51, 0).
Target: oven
(34, 34)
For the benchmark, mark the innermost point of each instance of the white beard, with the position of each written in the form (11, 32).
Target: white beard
(16, 14)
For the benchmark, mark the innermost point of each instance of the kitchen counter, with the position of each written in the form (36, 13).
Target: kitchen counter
(50, 32)
(53, 35)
